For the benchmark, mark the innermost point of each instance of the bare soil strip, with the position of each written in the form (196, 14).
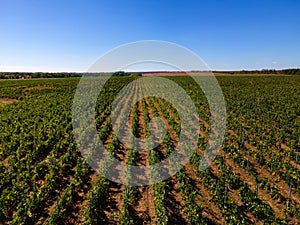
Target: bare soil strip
(114, 203)
(7, 101)
(144, 209)
(143, 154)
(115, 200)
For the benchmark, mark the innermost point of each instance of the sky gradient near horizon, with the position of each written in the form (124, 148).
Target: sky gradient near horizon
(69, 35)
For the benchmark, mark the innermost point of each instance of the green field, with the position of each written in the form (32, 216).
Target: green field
(254, 179)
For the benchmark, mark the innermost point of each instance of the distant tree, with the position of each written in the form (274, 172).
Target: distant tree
(136, 74)
(119, 74)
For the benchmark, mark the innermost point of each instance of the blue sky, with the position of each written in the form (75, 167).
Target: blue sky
(69, 35)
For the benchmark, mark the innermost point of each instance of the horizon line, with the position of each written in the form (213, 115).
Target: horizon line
(159, 71)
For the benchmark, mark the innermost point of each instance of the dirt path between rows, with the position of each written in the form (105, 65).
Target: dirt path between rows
(264, 172)
(144, 208)
(7, 101)
(173, 199)
(210, 209)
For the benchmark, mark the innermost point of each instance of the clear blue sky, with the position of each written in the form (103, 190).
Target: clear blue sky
(69, 35)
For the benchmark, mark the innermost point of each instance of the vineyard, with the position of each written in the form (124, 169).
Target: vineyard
(255, 178)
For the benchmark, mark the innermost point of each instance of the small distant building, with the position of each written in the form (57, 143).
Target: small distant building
(23, 77)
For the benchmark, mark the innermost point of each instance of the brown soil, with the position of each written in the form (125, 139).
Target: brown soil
(142, 156)
(173, 134)
(114, 201)
(176, 118)
(174, 203)
(262, 194)
(83, 203)
(144, 209)
(210, 209)
(6, 101)
(144, 206)
(264, 172)
(232, 193)
(273, 178)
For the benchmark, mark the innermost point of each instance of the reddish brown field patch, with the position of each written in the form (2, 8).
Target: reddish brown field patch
(6, 101)
(175, 73)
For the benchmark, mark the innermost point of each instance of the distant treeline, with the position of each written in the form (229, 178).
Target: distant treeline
(28, 75)
(31, 75)
(264, 71)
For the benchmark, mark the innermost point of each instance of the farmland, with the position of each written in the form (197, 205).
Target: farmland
(255, 177)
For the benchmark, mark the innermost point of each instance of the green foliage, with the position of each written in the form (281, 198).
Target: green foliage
(40, 166)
